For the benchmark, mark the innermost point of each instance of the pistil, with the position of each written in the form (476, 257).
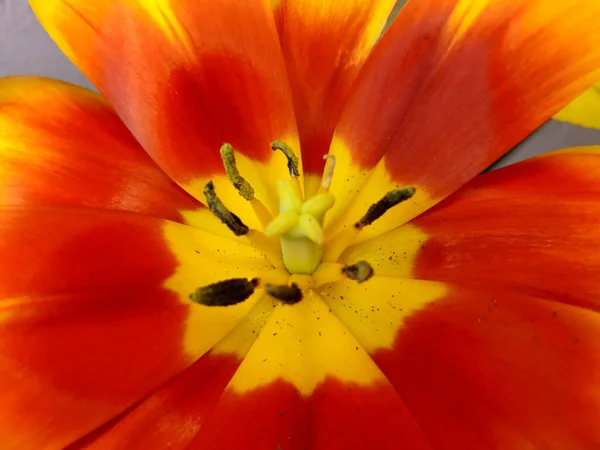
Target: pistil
(299, 227)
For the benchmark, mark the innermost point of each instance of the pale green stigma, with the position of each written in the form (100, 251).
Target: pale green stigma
(299, 226)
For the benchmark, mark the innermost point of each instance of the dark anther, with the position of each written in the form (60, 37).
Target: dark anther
(388, 201)
(361, 271)
(238, 181)
(216, 206)
(293, 163)
(287, 294)
(225, 293)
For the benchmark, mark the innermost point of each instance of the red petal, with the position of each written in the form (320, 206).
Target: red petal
(481, 368)
(530, 227)
(94, 315)
(185, 76)
(62, 145)
(501, 353)
(86, 326)
(300, 386)
(325, 44)
(172, 416)
(451, 87)
(336, 416)
(260, 408)
(485, 369)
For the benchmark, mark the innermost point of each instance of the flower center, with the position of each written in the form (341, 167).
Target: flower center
(299, 228)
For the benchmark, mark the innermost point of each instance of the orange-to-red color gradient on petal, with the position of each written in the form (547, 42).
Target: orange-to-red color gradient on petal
(530, 228)
(202, 408)
(479, 326)
(325, 45)
(491, 344)
(486, 369)
(469, 80)
(95, 315)
(336, 416)
(198, 73)
(62, 145)
(87, 327)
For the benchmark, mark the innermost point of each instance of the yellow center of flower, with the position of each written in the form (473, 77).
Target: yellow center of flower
(299, 229)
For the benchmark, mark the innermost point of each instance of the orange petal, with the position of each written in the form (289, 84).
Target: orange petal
(94, 315)
(62, 145)
(531, 227)
(453, 85)
(325, 44)
(305, 382)
(86, 326)
(186, 76)
(499, 349)
(199, 410)
(172, 416)
(481, 368)
(336, 416)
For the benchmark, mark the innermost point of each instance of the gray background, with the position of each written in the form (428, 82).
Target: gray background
(25, 48)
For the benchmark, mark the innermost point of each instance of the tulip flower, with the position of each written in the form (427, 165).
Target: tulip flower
(269, 230)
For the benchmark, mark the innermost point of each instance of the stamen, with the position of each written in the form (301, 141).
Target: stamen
(293, 162)
(361, 271)
(216, 206)
(347, 237)
(287, 294)
(238, 181)
(242, 185)
(225, 293)
(388, 201)
(328, 171)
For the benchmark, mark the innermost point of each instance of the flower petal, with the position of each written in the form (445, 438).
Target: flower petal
(199, 410)
(186, 76)
(499, 351)
(94, 315)
(325, 44)
(336, 416)
(62, 145)
(481, 368)
(306, 383)
(531, 227)
(584, 110)
(173, 415)
(469, 79)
